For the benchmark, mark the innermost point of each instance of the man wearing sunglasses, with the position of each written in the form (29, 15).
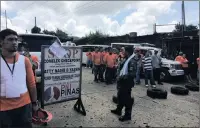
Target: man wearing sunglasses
(18, 95)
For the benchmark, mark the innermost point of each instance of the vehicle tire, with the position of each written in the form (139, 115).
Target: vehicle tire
(115, 100)
(192, 87)
(164, 75)
(179, 90)
(157, 93)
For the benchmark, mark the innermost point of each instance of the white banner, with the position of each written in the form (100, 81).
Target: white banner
(62, 75)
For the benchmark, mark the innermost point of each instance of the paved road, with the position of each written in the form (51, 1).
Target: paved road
(176, 111)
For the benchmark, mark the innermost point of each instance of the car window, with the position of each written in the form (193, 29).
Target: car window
(87, 49)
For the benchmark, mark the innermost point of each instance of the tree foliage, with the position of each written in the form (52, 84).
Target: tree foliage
(63, 36)
(190, 27)
(35, 29)
(96, 37)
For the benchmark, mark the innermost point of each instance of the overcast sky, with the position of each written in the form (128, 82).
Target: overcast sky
(110, 17)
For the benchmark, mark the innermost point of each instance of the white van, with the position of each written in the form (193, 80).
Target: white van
(87, 48)
(120, 45)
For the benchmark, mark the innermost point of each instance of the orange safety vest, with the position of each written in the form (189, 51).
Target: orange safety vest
(182, 61)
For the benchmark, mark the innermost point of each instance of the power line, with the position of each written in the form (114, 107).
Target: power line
(76, 8)
(87, 8)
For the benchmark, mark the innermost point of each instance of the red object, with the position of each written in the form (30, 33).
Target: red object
(41, 116)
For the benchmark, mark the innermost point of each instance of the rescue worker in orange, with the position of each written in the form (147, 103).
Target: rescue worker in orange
(198, 63)
(18, 95)
(110, 64)
(184, 62)
(89, 59)
(96, 60)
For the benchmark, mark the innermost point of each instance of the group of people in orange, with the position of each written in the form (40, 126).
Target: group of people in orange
(104, 61)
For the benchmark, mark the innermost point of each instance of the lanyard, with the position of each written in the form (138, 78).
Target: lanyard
(12, 71)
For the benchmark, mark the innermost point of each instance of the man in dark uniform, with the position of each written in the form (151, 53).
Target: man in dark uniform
(124, 86)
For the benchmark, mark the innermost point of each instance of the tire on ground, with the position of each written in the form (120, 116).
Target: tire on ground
(179, 90)
(115, 100)
(192, 87)
(157, 93)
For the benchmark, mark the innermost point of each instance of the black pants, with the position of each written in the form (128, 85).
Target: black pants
(97, 72)
(17, 118)
(102, 70)
(149, 75)
(156, 74)
(124, 96)
(109, 75)
(114, 73)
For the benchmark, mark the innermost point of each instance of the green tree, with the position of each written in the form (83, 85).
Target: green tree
(49, 32)
(35, 29)
(96, 37)
(190, 27)
(61, 34)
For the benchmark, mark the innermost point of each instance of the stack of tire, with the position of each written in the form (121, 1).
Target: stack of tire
(157, 93)
(184, 90)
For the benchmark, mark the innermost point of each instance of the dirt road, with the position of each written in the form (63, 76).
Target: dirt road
(175, 111)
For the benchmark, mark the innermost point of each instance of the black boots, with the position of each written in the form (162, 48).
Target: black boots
(116, 112)
(126, 117)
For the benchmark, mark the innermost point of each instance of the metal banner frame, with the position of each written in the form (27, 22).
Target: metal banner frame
(79, 107)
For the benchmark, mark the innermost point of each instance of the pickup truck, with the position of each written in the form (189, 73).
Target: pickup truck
(169, 68)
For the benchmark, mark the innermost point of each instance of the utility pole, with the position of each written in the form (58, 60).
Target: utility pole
(35, 22)
(183, 24)
(183, 15)
(6, 18)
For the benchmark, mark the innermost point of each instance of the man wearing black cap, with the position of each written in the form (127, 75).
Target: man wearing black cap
(18, 95)
(125, 82)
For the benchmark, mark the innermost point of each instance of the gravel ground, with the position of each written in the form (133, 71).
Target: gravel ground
(175, 111)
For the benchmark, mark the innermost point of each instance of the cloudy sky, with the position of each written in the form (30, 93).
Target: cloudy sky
(78, 18)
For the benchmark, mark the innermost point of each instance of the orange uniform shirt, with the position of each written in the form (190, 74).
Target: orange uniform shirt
(96, 58)
(110, 60)
(24, 99)
(182, 60)
(89, 55)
